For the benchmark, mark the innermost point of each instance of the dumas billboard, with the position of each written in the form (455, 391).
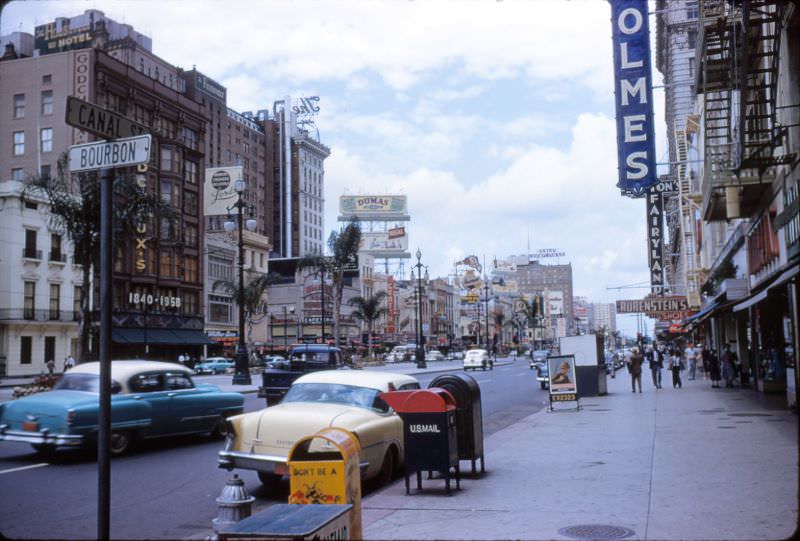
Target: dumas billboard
(633, 93)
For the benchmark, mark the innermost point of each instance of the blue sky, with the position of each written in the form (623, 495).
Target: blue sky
(496, 119)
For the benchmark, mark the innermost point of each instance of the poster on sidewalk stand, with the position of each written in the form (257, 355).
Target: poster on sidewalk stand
(563, 386)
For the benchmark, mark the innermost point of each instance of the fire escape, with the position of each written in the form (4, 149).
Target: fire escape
(687, 205)
(738, 74)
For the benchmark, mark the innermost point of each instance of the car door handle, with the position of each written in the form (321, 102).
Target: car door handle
(171, 394)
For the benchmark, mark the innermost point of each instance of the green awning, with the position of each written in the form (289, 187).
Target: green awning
(181, 337)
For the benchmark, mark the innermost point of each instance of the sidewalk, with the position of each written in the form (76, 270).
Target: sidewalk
(670, 464)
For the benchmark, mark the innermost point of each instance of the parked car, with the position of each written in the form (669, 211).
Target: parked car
(543, 375)
(401, 354)
(214, 365)
(261, 440)
(477, 358)
(538, 357)
(303, 358)
(276, 361)
(150, 399)
(434, 355)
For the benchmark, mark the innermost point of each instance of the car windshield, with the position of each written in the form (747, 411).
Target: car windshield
(312, 356)
(83, 382)
(334, 393)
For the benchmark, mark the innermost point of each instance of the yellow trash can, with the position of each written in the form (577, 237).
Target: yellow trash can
(324, 469)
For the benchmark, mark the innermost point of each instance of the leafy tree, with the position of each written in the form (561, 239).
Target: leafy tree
(252, 295)
(368, 310)
(74, 201)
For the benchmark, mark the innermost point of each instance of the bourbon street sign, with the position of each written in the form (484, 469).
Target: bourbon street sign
(100, 122)
(103, 154)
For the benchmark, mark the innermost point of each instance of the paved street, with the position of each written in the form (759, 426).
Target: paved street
(691, 463)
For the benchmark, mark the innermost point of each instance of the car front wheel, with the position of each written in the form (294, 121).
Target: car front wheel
(120, 442)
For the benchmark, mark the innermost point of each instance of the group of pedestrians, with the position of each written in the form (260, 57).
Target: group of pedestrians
(677, 360)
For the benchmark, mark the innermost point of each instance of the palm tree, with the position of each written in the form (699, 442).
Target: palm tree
(344, 246)
(74, 201)
(368, 310)
(252, 295)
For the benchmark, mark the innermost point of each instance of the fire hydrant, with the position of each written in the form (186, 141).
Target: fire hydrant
(233, 504)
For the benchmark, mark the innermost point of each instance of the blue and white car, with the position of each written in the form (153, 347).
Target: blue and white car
(149, 399)
(214, 365)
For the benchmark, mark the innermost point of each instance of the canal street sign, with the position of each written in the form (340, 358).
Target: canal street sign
(100, 122)
(103, 154)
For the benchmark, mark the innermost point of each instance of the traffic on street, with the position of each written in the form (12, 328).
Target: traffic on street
(154, 480)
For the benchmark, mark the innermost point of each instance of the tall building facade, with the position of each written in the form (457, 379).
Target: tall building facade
(554, 283)
(743, 177)
(158, 277)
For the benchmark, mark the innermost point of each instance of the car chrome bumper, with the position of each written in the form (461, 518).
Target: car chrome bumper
(250, 461)
(40, 438)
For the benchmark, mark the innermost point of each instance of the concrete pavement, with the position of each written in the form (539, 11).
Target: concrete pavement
(670, 464)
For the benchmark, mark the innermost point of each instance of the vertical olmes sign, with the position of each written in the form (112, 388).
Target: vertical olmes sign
(633, 92)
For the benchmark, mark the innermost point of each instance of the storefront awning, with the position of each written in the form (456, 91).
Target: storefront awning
(160, 336)
(755, 298)
(701, 315)
(758, 297)
(192, 337)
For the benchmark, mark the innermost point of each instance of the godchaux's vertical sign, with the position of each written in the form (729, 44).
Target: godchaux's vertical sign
(633, 92)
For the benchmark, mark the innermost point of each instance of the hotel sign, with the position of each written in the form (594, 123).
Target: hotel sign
(633, 94)
(49, 39)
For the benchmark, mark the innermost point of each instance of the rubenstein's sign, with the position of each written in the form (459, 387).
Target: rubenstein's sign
(633, 92)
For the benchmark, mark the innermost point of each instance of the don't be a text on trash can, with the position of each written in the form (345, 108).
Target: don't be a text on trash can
(469, 416)
(324, 469)
(429, 432)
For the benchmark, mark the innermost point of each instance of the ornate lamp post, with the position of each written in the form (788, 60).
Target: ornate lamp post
(420, 351)
(242, 374)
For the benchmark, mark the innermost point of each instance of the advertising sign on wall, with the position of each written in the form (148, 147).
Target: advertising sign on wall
(219, 193)
(633, 95)
(378, 244)
(555, 302)
(50, 39)
(373, 207)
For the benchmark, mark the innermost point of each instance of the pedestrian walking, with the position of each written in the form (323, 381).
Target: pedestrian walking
(51, 366)
(729, 359)
(713, 368)
(70, 362)
(705, 359)
(656, 363)
(635, 368)
(676, 365)
(690, 360)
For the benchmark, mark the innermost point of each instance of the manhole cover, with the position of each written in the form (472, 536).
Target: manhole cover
(598, 532)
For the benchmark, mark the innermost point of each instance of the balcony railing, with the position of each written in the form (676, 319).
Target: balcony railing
(31, 253)
(38, 315)
(58, 257)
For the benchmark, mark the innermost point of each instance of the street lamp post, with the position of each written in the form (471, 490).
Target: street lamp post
(420, 351)
(242, 373)
(289, 310)
(486, 308)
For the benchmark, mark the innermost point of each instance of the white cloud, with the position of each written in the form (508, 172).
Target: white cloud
(493, 117)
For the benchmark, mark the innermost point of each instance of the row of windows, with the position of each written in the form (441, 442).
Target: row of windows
(26, 349)
(45, 104)
(31, 249)
(54, 304)
(45, 141)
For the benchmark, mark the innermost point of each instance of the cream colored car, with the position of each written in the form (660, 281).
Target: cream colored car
(261, 440)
